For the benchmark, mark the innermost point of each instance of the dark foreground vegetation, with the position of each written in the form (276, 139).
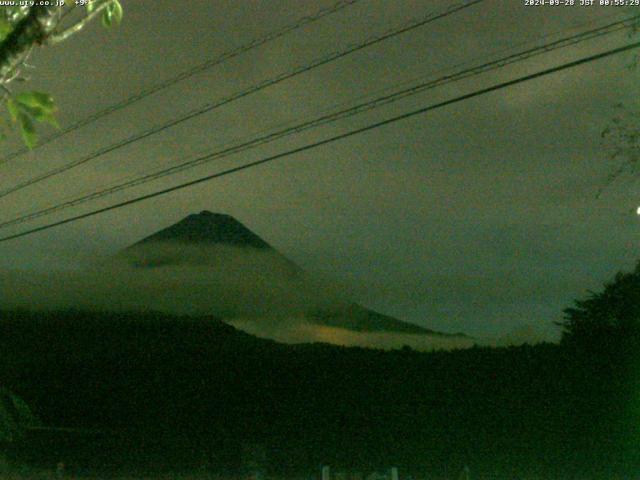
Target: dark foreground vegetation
(156, 392)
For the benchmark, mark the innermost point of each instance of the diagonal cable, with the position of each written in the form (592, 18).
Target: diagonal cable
(334, 116)
(333, 139)
(186, 75)
(238, 95)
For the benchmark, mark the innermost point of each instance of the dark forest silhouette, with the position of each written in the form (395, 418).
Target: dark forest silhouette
(182, 391)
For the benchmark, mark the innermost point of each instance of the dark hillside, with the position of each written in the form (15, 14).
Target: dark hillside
(194, 390)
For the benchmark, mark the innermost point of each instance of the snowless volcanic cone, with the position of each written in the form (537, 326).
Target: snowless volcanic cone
(223, 246)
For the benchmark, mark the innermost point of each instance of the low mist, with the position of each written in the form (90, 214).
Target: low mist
(224, 281)
(258, 291)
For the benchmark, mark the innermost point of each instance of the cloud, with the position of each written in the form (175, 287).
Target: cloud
(258, 291)
(303, 332)
(223, 281)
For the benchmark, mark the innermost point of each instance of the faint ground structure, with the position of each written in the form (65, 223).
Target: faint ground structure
(15, 417)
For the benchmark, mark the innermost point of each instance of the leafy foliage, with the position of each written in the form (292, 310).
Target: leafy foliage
(28, 108)
(609, 316)
(9, 17)
(177, 390)
(112, 14)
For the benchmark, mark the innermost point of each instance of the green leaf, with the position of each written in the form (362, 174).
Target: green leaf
(28, 130)
(5, 28)
(51, 120)
(5, 126)
(29, 106)
(106, 18)
(40, 115)
(13, 108)
(37, 100)
(118, 12)
(112, 14)
(36, 113)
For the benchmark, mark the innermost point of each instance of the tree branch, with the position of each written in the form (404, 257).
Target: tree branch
(57, 37)
(30, 31)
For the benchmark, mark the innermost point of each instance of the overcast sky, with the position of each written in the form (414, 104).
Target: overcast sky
(479, 217)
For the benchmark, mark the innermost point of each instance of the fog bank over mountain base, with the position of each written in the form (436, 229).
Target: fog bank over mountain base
(221, 280)
(301, 331)
(257, 291)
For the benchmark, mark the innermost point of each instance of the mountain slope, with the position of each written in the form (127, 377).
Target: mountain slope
(210, 238)
(361, 319)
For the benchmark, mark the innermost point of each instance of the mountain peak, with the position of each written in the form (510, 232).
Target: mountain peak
(206, 214)
(209, 228)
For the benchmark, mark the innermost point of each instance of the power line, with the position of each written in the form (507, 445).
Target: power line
(332, 117)
(333, 139)
(413, 24)
(255, 43)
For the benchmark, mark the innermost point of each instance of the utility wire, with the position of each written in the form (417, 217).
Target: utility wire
(333, 139)
(332, 117)
(258, 42)
(413, 24)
